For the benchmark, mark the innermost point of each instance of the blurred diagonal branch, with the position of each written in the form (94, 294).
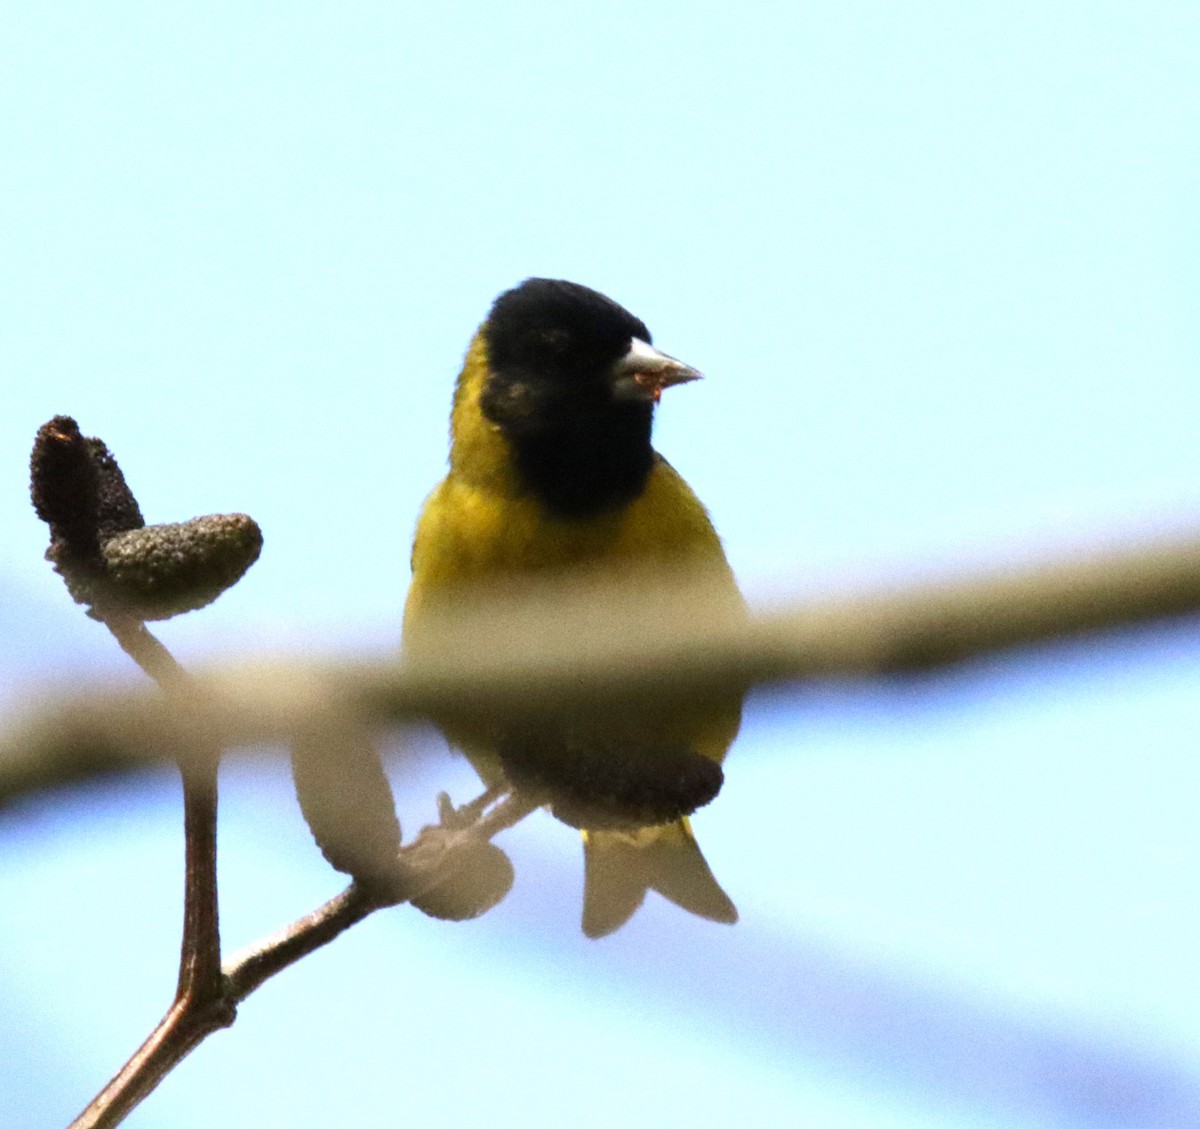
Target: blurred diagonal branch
(583, 646)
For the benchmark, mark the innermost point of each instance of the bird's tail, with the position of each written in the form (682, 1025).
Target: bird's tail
(621, 866)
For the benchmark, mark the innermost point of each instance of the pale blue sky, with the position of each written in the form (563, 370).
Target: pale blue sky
(939, 263)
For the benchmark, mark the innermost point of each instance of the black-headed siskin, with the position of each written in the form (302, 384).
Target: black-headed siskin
(552, 474)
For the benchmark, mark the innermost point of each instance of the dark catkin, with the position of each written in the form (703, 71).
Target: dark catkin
(110, 560)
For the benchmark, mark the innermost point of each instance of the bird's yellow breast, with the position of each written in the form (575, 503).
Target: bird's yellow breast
(469, 534)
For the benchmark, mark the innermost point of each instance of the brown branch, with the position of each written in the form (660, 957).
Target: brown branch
(200, 957)
(419, 866)
(259, 962)
(200, 1006)
(179, 1033)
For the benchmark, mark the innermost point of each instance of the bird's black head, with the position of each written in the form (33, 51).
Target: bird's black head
(549, 330)
(572, 384)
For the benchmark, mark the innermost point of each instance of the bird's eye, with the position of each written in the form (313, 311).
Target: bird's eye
(554, 340)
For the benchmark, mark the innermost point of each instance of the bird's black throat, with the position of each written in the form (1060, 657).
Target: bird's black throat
(582, 467)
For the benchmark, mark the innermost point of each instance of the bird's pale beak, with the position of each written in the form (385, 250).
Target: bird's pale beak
(643, 373)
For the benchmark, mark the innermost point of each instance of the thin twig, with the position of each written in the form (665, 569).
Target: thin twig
(200, 1006)
(200, 957)
(179, 1033)
(418, 868)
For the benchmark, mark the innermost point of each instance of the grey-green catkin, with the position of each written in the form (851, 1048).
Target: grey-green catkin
(160, 571)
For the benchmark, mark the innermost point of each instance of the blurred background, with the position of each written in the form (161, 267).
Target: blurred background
(939, 264)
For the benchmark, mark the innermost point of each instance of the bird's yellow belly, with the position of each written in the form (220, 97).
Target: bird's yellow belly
(474, 542)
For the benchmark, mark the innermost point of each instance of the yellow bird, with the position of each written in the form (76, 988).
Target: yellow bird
(552, 472)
